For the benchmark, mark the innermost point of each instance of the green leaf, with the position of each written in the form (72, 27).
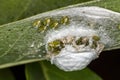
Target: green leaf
(17, 38)
(39, 6)
(10, 10)
(109, 4)
(6, 74)
(33, 71)
(15, 41)
(51, 72)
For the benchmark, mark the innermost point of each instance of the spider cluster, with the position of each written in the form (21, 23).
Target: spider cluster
(50, 23)
(78, 43)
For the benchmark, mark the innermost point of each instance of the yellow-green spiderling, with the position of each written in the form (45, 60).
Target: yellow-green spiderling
(54, 24)
(64, 20)
(47, 21)
(55, 46)
(94, 44)
(42, 28)
(119, 27)
(36, 23)
(82, 40)
(96, 38)
(79, 41)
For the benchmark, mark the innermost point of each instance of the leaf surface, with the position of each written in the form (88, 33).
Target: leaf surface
(11, 10)
(17, 38)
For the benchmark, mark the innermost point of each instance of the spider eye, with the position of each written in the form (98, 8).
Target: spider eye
(55, 46)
